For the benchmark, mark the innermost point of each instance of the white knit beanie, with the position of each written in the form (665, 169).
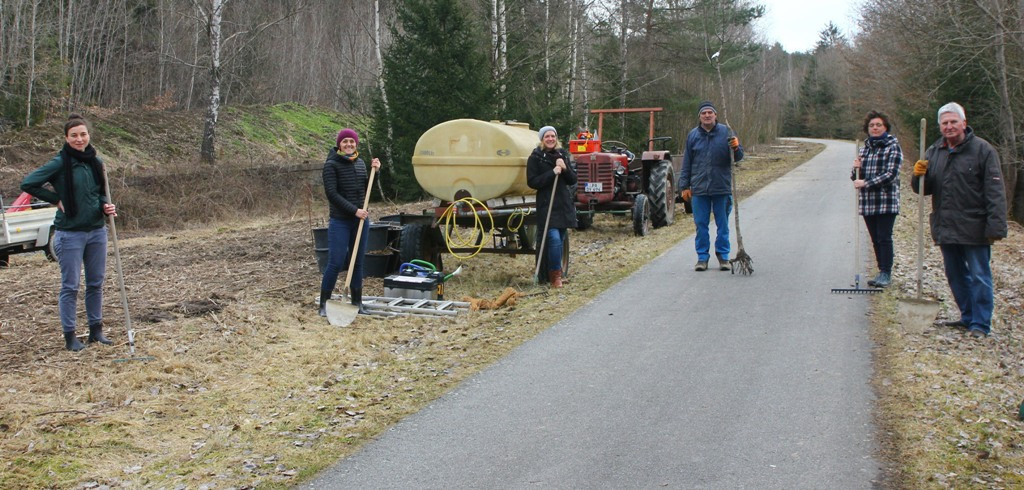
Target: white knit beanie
(544, 130)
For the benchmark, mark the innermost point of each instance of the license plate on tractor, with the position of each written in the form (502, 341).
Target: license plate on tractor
(593, 186)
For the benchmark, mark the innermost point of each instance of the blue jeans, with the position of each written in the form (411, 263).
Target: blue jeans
(703, 206)
(341, 237)
(75, 249)
(556, 236)
(970, 279)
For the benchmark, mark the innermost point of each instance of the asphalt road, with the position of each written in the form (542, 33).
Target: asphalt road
(674, 378)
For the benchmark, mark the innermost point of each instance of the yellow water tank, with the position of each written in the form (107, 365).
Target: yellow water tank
(480, 159)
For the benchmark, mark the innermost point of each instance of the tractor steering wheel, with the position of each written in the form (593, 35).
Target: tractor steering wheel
(612, 146)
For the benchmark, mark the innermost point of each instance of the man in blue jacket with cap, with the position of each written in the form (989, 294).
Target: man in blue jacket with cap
(706, 179)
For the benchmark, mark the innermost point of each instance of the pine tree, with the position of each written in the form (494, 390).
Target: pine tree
(434, 71)
(818, 111)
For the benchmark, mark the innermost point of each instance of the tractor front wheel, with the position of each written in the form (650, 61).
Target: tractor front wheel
(641, 216)
(662, 192)
(584, 220)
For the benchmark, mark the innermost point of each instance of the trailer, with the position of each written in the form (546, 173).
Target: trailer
(476, 171)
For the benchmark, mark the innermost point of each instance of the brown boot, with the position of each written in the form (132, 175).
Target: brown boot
(555, 278)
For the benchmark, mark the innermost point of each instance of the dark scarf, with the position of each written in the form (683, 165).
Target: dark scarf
(554, 154)
(69, 155)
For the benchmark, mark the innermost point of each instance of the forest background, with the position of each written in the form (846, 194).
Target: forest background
(400, 67)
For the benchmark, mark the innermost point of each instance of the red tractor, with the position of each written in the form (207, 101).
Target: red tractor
(611, 179)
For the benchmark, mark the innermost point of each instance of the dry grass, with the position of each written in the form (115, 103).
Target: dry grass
(250, 387)
(949, 404)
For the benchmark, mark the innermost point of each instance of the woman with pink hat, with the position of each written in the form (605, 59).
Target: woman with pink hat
(345, 181)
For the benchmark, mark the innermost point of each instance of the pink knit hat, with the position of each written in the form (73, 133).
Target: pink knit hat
(347, 133)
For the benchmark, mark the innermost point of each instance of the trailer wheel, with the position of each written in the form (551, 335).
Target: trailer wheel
(50, 253)
(417, 242)
(5, 259)
(641, 216)
(565, 256)
(584, 220)
(662, 193)
(527, 235)
(542, 273)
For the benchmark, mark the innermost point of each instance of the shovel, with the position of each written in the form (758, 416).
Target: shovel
(917, 313)
(342, 313)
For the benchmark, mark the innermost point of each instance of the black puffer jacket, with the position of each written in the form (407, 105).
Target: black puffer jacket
(968, 197)
(540, 175)
(345, 184)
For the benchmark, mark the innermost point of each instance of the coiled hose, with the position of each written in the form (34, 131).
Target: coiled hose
(454, 237)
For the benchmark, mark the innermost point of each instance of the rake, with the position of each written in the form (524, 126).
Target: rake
(856, 289)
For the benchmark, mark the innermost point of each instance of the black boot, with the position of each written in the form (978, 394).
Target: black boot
(71, 342)
(324, 296)
(357, 299)
(96, 334)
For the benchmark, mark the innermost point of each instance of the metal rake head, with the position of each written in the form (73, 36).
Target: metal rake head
(855, 291)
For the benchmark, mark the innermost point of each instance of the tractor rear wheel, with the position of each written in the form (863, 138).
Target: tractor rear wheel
(662, 193)
(641, 216)
(418, 242)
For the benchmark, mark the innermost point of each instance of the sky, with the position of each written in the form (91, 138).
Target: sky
(796, 23)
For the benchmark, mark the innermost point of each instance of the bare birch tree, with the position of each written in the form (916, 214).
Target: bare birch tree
(32, 62)
(377, 28)
(213, 18)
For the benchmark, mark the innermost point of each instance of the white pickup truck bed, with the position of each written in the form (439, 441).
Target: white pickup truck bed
(26, 231)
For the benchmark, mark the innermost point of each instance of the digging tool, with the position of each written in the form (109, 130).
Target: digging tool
(917, 313)
(741, 262)
(342, 313)
(856, 242)
(544, 237)
(120, 281)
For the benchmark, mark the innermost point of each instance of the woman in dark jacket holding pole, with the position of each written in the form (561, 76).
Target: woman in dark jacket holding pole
(345, 180)
(548, 171)
(80, 237)
(878, 185)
